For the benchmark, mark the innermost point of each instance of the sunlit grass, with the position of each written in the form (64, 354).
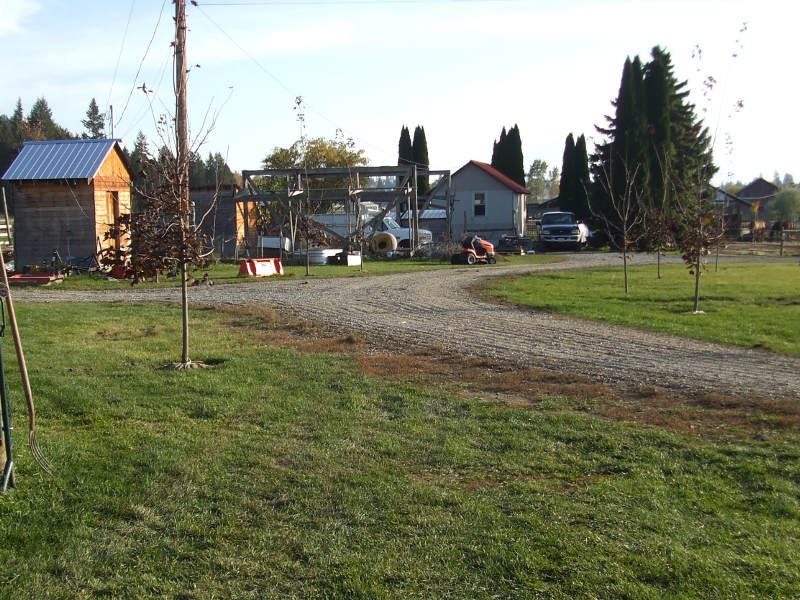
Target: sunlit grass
(755, 305)
(283, 474)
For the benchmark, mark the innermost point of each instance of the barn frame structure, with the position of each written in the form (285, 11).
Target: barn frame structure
(341, 190)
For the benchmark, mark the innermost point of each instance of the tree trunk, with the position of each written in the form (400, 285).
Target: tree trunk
(308, 258)
(697, 266)
(625, 266)
(185, 314)
(658, 261)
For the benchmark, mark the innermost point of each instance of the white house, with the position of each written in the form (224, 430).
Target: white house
(487, 202)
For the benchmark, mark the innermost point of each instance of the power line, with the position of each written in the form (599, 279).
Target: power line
(119, 58)
(283, 85)
(148, 106)
(141, 62)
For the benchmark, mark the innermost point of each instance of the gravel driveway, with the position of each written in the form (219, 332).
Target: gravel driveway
(434, 308)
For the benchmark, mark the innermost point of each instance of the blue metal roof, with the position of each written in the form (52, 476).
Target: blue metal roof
(59, 159)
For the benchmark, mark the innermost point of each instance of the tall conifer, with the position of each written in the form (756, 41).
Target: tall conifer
(420, 153)
(405, 154)
(581, 185)
(566, 185)
(514, 163)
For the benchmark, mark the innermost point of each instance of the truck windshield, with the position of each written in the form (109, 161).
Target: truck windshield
(390, 223)
(558, 219)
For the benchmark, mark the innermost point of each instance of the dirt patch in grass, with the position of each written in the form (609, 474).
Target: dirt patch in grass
(707, 414)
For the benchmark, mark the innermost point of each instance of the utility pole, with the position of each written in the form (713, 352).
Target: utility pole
(182, 159)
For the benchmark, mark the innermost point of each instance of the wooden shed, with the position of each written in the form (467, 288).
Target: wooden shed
(66, 194)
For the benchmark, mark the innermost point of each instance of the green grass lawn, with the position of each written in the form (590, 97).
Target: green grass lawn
(755, 305)
(285, 474)
(224, 273)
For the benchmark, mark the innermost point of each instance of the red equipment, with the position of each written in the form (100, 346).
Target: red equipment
(474, 250)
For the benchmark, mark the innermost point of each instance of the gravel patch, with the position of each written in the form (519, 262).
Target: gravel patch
(434, 309)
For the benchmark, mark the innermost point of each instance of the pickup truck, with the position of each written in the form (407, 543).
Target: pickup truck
(339, 224)
(562, 231)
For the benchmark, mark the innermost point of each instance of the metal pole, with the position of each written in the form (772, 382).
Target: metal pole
(413, 223)
(5, 418)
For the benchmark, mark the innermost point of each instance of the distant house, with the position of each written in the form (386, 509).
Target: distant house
(487, 202)
(759, 190)
(737, 212)
(66, 194)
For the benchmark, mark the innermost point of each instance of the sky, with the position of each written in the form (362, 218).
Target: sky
(463, 69)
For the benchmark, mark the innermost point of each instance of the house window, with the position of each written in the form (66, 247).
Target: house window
(480, 204)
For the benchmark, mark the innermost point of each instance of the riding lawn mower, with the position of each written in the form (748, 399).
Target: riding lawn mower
(474, 250)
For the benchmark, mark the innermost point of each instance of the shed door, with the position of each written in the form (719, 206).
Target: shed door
(112, 213)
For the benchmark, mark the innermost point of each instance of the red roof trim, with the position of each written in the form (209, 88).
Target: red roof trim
(504, 179)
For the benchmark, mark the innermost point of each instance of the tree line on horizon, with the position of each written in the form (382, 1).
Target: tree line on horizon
(39, 125)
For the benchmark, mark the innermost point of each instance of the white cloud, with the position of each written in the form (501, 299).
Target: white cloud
(14, 13)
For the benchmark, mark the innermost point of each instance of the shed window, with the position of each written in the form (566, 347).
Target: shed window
(480, 204)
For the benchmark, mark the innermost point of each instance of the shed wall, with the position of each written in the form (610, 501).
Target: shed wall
(53, 216)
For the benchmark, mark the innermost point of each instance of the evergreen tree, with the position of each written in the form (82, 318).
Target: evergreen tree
(622, 162)
(405, 152)
(197, 171)
(656, 150)
(18, 123)
(507, 155)
(581, 185)
(40, 123)
(420, 154)
(499, 151)
(8, 143)
(94, 123)
(574, 183)
(138, 161)
(566, 185)
(514, 162)
(218, 171)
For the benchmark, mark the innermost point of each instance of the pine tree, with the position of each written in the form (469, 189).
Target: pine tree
(515, 167)
(507, 155)
(581, 185)
(94, 123)
(499, 152)
(138, 163)
(405, 153)
(218, 171)
(18, 123)
(420, 154)
(566, 185)
(622, 162)
(574, 183)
